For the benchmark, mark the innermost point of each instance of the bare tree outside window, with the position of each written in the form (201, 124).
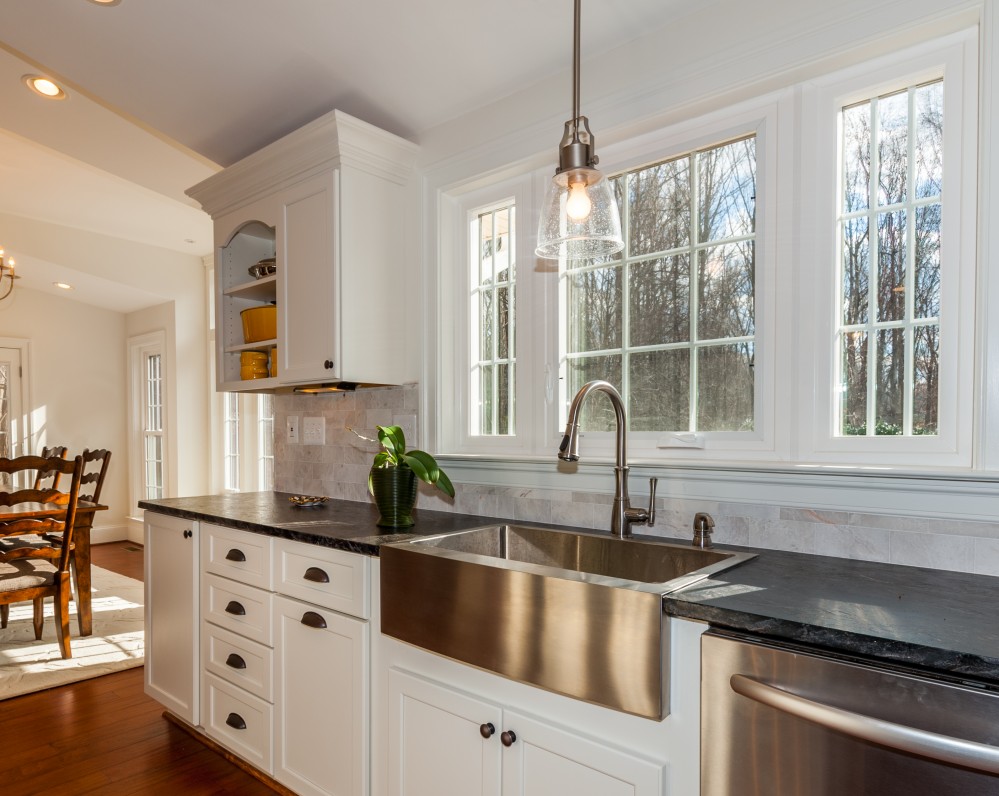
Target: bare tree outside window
(889, 231)
(670, 322)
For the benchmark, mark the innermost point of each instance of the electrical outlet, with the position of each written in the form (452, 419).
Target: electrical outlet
(314, 430)
(293, 428)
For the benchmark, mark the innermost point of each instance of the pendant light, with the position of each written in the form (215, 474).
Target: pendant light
(579, 218)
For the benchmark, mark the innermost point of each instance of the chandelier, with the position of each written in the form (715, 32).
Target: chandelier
(7, 275)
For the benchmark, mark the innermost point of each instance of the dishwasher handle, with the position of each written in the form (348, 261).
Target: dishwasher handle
(944, 748)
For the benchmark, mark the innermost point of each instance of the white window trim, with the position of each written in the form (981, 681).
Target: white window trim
(139, 347)
(453, 412)
(954, 58)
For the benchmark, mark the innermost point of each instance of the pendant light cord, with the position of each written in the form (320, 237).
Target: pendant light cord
(575, 72)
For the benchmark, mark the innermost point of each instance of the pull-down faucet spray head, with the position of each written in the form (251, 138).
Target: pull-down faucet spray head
(568, 451)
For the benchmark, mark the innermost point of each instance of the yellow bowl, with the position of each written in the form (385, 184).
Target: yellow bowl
(255, 358)
(252, 372)
(259, 323)
(274, 361)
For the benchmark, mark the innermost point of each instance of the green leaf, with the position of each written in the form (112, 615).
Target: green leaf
(418, 466)
(444, 484)
(383, 459)
(392, 439)
(427, 463)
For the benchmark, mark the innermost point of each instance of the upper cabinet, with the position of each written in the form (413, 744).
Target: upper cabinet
(327, 204)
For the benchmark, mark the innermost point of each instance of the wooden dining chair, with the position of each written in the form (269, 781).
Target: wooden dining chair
(49, 479)
(41, 568)
(95, 470)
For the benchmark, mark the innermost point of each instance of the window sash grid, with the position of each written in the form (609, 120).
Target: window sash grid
(871, 214)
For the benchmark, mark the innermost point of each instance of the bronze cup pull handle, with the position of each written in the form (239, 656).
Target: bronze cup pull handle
(235, 721)
(235, 554)
(235, 661)
(235, 609)
(312, 619)
(316, 575)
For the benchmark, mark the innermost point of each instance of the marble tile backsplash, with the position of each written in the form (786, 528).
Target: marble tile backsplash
(340, 469)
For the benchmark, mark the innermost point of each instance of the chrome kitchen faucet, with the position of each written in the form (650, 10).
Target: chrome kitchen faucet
(623, 515)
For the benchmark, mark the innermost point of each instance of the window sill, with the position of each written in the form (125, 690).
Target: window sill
(960, 493)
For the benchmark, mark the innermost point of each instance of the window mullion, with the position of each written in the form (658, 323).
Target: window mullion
(874, 239)
(695, 289)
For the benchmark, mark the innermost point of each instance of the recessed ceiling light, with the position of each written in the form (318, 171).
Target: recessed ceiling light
(44, 87)
(63, 285)
(106, 2)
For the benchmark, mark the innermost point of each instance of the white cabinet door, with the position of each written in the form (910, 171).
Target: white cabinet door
(320, 700)
(172, 666)
(308, 282)
(441, 742)
(545, 760)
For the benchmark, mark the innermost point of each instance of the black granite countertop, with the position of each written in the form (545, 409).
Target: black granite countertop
(343, 524)
(936, 620)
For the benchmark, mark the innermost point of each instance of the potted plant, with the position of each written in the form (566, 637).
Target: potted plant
(392, 480)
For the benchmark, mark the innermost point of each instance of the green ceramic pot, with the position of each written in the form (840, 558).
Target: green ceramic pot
(394, 490)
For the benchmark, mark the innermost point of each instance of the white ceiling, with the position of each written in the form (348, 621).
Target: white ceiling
(162, 94)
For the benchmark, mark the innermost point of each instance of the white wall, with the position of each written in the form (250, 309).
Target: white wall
(76, 386)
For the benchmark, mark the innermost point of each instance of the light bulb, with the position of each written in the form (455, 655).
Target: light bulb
(578, 205)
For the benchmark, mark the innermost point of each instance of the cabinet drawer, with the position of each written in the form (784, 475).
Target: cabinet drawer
(239, 555)
(239, 721)
(329, 578)
(237, 607)
(238, 660)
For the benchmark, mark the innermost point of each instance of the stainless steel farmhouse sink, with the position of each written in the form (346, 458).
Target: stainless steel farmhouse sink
(573, 612)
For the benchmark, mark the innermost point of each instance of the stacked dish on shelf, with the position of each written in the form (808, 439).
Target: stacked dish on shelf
(253, 365)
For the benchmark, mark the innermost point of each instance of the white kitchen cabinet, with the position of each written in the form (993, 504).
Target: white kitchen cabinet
(443, 741)
(237, 642)
(320, 702)
(285, 656)
(172, 666)
(329, 202)
(322, 665)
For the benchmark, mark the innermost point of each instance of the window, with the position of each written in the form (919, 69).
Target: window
(230, 436)
(888, 258)
(147, 363)
(889, 233)
(152, 431)
(671, 323)
(265, 442)
(797, 284)
(246, 429)
(493, 279)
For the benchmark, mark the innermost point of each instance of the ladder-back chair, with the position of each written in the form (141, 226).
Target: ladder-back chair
(40, 569)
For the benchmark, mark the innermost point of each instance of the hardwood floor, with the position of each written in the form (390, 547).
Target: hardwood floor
(105, 736)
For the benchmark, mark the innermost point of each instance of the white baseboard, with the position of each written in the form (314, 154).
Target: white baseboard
(108, 533)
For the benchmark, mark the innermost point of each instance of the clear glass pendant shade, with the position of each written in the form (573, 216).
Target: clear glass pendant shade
(579, 218)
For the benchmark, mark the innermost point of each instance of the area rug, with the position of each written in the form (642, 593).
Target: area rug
(27, 665)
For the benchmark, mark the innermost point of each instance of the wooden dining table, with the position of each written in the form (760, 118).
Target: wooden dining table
(85, 512)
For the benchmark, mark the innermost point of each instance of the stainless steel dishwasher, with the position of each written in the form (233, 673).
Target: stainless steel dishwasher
(780, 721)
